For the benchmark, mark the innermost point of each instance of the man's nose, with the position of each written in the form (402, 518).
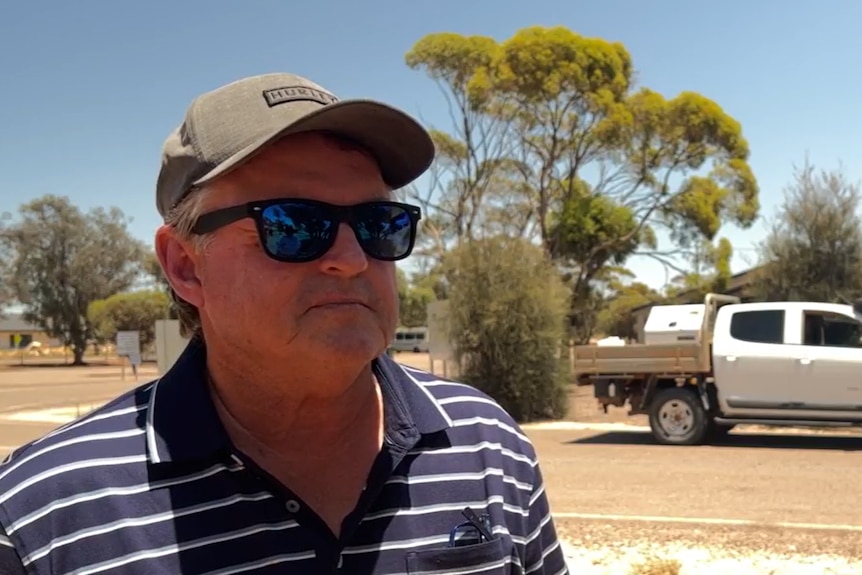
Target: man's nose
(346, 257)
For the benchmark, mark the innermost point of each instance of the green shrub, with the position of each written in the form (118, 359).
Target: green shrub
(506, 322)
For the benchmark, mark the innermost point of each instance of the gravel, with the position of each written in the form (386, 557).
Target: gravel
(702, 561)
(598, 548)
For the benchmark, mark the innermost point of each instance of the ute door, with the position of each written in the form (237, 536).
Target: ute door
(828, 364)
(753, 370)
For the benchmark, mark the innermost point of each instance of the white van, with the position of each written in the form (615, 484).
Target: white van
(413, 339)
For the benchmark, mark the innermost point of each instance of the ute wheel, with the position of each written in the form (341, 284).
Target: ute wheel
(677, 417)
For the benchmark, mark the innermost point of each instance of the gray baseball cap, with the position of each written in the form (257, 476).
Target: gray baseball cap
(227, 126)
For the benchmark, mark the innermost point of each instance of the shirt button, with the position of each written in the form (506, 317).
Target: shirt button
(292, 506)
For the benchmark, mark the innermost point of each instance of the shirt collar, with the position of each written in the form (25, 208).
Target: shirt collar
(182, 424)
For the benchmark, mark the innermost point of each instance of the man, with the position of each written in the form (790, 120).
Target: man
(284, 439)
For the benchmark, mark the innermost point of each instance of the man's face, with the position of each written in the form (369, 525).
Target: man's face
(248, 301)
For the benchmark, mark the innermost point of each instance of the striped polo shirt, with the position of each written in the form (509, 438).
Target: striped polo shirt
(150, 484)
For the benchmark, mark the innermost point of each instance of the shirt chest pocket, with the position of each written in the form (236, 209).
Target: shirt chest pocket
(489, 558)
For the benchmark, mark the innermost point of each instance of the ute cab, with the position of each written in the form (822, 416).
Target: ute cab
(789, 360)
(702, 369)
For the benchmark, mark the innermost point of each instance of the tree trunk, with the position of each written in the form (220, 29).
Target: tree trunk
(78, 350)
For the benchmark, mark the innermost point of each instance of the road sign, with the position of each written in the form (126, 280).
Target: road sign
(16, 340)
(129, 347)
(129, 343)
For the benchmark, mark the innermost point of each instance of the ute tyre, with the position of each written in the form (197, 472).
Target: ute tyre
(677, 417)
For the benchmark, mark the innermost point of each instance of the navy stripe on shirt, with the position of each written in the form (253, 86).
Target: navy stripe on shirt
(150, 484)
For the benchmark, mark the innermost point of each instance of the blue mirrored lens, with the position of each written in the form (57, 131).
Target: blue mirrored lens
(304, 231)
(296, 231)
(384, 231)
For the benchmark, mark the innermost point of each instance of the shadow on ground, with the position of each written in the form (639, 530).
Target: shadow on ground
(776, 441)
(59, 363)
(54, 364)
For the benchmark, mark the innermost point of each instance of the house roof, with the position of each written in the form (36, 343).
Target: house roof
(737, 282)
(15, 322)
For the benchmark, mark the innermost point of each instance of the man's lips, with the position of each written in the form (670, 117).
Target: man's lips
(340, 302)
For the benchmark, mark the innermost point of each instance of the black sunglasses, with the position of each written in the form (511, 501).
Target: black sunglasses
(297, 230)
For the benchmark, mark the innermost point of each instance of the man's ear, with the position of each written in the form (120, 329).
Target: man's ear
(179, 265)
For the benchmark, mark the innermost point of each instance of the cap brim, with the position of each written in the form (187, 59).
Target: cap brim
(402, 147)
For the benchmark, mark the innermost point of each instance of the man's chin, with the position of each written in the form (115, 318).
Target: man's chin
(347, 345)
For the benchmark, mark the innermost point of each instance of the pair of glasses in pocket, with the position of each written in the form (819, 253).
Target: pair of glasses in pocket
(477, 529)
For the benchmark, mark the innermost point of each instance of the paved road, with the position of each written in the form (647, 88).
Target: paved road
(706, 496)
(45, 387)
(811, 479)
(614, 487)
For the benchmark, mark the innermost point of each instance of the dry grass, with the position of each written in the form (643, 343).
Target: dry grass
(417, 360)
(46, 352)
(57, 356)
(657, 566)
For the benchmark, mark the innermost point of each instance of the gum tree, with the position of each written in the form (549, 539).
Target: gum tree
(63, 259)
(549, 129)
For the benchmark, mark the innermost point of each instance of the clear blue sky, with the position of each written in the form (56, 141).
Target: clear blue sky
(90, 89)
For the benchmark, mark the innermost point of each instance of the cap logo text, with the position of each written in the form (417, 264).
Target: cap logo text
(287, 94)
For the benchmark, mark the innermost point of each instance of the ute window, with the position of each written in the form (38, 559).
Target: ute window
(831, 330)
(758, 326)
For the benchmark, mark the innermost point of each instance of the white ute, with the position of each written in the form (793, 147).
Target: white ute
(704, 368)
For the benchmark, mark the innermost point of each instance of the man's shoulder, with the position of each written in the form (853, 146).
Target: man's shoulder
(111, 435)
(471, 410)
(452, 392)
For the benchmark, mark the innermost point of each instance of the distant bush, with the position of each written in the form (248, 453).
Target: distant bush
(506, 321)
(130, 311)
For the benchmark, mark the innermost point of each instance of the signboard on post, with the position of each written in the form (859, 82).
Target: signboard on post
(129, 347)
(17, 340)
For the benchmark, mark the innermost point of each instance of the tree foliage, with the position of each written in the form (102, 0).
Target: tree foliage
(709, 270)
(6, 291)
(133, 311)
(471, 177)
(550, 140)
(617, 316)
(814, 248)
(63, 259)
(506, 316)
(413, 301)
